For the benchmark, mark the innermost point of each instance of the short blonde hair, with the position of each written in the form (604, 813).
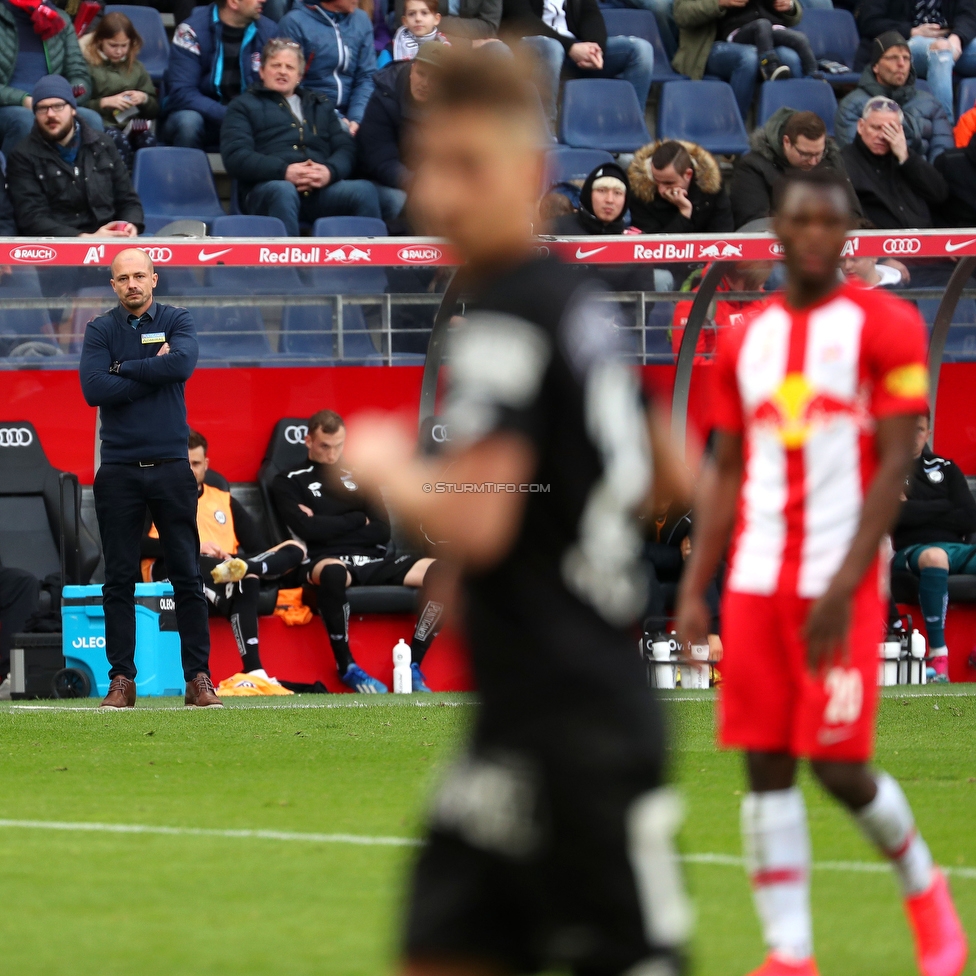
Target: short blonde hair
(278, 44)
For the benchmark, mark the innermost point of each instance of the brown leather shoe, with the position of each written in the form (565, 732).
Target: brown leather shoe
(121, 694)
(200, 693)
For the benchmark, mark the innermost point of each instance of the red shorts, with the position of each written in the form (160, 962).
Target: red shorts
(770, 702)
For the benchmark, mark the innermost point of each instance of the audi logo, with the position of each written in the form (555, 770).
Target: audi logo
(901, 245)
(296, 433)
(158, 255)
(439, 433)
(16, 437)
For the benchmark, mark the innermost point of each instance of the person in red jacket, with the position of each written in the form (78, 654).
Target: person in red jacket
(745, 276)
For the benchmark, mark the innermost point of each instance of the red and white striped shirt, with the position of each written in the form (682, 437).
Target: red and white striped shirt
(804, 389)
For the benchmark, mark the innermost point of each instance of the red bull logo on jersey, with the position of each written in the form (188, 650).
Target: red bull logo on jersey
(795, 410)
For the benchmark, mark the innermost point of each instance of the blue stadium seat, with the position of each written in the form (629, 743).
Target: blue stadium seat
(704, 112)
(563, 165)
(233, 333)
(803, 94)
(155, 47)
(307, 330)
(175, 184)
(833, 35)
(18, 325)
(349, 227)
(602, 113)
(623, 22)
(248, 225)
(255, 281)
(965, 95)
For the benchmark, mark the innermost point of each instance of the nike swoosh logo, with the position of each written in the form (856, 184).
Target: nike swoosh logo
(950, 247)
(830, 737)
(203, 256)
(580, 253)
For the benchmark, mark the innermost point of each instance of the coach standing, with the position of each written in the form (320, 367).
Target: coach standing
(134, 364)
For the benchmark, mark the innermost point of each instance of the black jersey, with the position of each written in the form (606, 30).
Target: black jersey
(550, 625)
(940, 506)
(341, 511)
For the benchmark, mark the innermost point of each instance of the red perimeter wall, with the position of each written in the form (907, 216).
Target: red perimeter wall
(237, 409)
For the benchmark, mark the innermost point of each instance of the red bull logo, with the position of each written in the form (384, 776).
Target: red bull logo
(795, 410)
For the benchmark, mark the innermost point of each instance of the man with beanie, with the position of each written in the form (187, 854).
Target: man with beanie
(676, 188)
(604, 200)
(66, 179)
(348, 537)
(36, 39)
(928, 130)
(941, 37)
(938, 515)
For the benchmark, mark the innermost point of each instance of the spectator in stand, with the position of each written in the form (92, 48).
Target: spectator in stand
(890, 73)
(869, 273)
(931, 537)
(941, 37)
(8, 223)
(180, 9)
(958, 169)
(36, 40)
(762, 24)
(700, 52)
(66, 179)
(215, 55)
(121, 87)
(336, 39)
(895, 185)
(288, 150)
(397, 100)
(790, 140)
(676, 188)
(569, 38)
(604, 201)
(965, 128)
(728, 312)
(420, 25)
(474, 22)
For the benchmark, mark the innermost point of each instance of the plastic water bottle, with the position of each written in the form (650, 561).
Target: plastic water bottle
(890, 653)
(695, 675)
(663, 669)
(402, 675)
(919, 671)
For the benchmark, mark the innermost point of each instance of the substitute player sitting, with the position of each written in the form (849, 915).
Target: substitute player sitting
(348, 538)
(815, 407)
(226, 533)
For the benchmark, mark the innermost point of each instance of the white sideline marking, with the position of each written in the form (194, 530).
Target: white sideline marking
(722, 860)
(94, 710)
(108, 828)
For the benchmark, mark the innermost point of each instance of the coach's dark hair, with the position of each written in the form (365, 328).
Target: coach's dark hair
(327, 421)
(821, 178)
(196, 439)
(672, 153)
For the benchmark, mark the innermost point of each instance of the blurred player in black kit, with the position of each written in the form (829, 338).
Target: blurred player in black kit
(549, 842)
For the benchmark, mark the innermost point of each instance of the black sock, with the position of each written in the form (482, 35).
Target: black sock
(335, 612)
(431, 613)
(275, 563)
(244, 621)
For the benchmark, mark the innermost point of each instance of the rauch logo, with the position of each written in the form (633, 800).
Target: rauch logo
(419, 255)
(33, 255)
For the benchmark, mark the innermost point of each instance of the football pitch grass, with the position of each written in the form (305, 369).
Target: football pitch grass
(288, 829)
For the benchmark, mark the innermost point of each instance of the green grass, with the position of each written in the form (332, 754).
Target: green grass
(85, 902)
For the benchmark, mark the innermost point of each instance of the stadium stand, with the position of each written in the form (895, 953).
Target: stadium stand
(833, 37)
(803, 94)
(704, 112)
(247, 225)
(565, 164)
(174, 184)
(621, 21)
(602, 113)
(965, 95)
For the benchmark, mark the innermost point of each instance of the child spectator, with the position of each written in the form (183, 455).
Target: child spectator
(754, 22)
(122, 90)
(420, 20)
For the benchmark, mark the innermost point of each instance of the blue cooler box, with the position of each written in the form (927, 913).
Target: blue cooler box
(158, 661)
